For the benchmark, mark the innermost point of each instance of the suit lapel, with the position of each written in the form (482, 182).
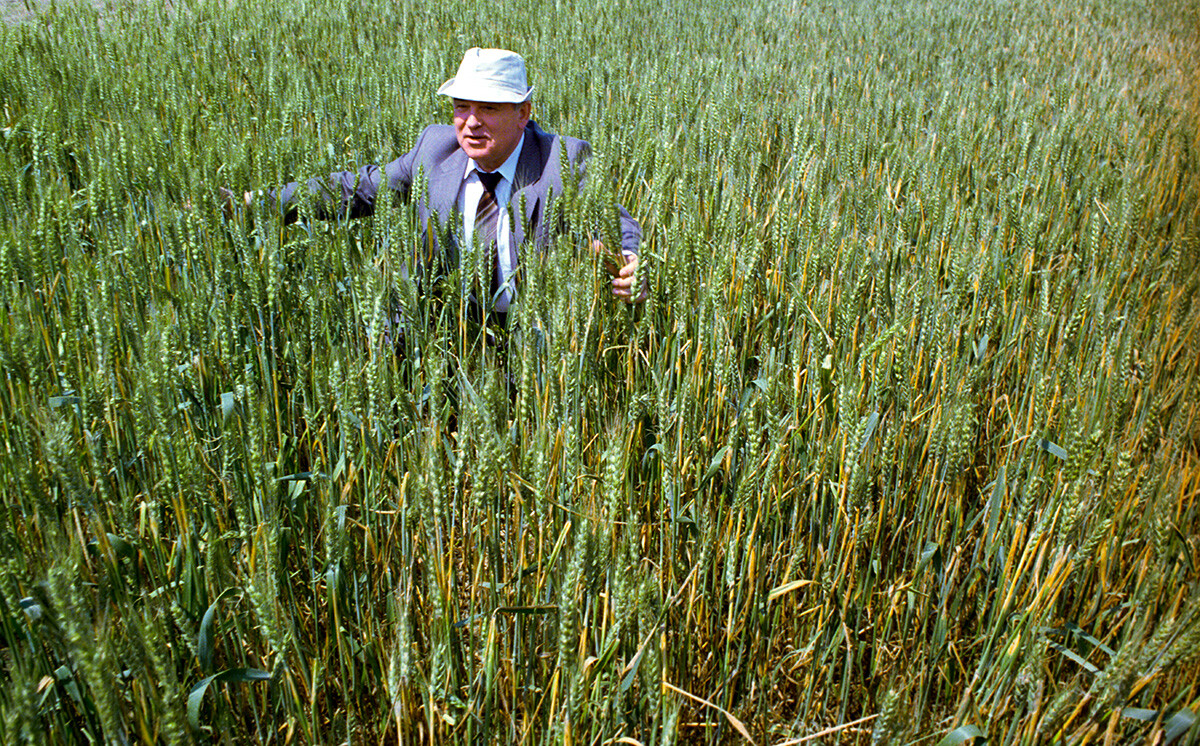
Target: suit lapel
(531, 164)
(445, 183)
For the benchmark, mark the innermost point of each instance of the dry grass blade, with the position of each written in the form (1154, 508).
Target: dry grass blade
(737, 724)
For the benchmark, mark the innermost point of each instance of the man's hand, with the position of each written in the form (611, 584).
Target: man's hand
(624, 279)
(623, 275)
(228, 200)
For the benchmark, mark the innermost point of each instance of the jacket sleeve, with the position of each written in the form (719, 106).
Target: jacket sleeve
(631, 232)
(350, 194)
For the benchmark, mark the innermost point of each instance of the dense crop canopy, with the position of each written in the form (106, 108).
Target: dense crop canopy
(903, 443)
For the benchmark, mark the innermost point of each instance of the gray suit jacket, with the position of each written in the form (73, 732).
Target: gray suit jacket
(539, 177)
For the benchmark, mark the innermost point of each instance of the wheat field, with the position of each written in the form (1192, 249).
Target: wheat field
(903, 447)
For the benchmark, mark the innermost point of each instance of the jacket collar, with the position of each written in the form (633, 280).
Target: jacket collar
(532, 161)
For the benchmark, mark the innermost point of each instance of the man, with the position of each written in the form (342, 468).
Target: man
(479, 170)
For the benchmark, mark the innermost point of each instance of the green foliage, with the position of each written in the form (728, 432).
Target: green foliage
(903, 444)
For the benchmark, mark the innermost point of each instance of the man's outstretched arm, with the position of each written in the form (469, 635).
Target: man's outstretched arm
(343, 194)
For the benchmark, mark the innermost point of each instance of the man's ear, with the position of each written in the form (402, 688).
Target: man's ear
(525, 109)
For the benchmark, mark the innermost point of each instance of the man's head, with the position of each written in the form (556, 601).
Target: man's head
(489, 132)
(491, 104)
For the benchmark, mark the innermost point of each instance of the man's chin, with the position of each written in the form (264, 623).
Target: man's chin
(475, 150)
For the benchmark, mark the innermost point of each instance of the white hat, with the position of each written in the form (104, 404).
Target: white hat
(492, 75)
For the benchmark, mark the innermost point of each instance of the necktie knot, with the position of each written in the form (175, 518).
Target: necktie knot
(490, 180)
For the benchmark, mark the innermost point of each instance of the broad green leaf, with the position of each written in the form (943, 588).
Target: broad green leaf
(1053, 449)
(654, 450)
(1139, 713)
(715, 464)
(981, 346)
(232, 676)
(121, 548)
(67, 679)
(1178, 724)
(786, 588)
(204, 640)
(1073, 656)
(630, 672)
(994, 508)
(227, 402)
(1072, 629)
(872, 423)
(960, 735)
(32, 608)
(527, 609)
(303, 476)
(928, 554)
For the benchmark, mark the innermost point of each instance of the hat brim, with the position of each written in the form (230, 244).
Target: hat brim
(481, 91)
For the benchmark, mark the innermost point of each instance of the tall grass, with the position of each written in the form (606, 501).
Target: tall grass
(904, 442)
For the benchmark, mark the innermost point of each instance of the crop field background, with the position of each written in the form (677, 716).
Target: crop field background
(904, 446)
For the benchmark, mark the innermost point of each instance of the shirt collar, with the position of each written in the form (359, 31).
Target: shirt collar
(508, 169)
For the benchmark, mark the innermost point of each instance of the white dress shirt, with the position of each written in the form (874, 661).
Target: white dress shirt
(468, 198)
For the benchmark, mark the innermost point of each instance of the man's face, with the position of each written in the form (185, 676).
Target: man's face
(488, 132)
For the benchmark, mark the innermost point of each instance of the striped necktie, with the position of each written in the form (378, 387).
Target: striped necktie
(487, 215)
(488, 212)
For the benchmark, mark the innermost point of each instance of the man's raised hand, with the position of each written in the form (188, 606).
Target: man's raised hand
(623, 270)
